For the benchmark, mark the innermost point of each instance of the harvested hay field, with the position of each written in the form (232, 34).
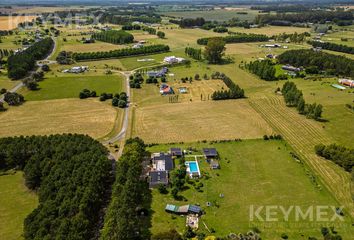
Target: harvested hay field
(208, 120)
(59, 116)
(11, 22)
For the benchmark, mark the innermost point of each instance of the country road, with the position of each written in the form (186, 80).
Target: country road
(20, 84)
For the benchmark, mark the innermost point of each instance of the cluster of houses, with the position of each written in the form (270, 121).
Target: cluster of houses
(78, 69)
(173, 59)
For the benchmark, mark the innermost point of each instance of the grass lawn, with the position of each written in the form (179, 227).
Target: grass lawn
(270, 30)
(253, 172)
(88, 116)
(18, 203)
(70, 87)
(6, 83)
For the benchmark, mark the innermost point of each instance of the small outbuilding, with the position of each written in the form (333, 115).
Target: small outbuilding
(210, 153)
(177, 152)
(214, 164)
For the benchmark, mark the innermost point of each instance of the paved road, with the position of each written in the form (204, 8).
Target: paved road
(20, 84)
(122, 133)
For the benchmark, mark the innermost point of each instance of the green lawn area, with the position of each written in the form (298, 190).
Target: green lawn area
(5, 82)
(253, 172)
(70, 87)
(16, 202)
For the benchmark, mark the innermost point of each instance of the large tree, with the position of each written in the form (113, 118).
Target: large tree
(214, 50)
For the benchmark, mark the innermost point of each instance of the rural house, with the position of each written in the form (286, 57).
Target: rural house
(210, 153)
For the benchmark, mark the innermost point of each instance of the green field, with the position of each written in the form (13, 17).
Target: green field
(70, 87)
(253, 172)
(17, 204)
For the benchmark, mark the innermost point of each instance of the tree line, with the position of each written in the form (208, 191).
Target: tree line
(136, 80)
(71, 173)
(263, 69)
(294, 98)
(321, 16)
(189, 22)
(234, 91)
(5, 53)
(338, 154)
(291, 37)
(130, 199)
(332, 46)
(21, 63)
(332, 64)
(193, 53)
(114, 36)
(125, 52)
(237, 38)
(127, 19)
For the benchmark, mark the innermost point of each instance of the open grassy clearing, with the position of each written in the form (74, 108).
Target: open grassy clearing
(87, 116)
(303, 134)
(75, 45)
(11, 22)
(216, 15)
(5, 82)
(70, 86)
(17, 204)
(247, 177)
(186, 122)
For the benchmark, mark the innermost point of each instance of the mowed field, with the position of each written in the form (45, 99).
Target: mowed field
(16, 202)
(270, 30)
(71, 85)
(252, 172)
(59, 116)
(11, 22)
(303, 134)
(206, 120)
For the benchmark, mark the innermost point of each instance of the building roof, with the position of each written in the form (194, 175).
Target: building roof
(210, 152)
(176, 151)
(166, 158)
(171, 208)
(194, 209)
(158, 177)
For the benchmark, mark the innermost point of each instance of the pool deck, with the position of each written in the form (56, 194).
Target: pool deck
(192, 174)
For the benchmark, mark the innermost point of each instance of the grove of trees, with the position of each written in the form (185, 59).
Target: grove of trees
(294, 98)
(130, 197)
(237, 38)
(264, 69)
(114, 36)
(193, 53)
(124, 52)
(340, 155)
(214, 50)
(330, 63)
(21, 63)
(13, 98)
(333, 46)
(234, 91)
(189, 22)
(71, 174)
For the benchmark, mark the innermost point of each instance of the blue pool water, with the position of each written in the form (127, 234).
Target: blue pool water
(193, 167)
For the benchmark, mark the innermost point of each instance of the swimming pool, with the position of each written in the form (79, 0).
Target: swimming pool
(192, 168)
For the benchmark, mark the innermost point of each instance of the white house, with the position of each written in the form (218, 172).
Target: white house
(173, 59)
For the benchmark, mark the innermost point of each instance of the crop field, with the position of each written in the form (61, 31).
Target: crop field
(59, 116)
(216, 15)
(9, 23)
(303, 134)
(247, 177)
(70, 86)
(17, 204)
(187, 122)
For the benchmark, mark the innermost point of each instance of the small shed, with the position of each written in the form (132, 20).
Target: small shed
(214, 164)
(176, 152)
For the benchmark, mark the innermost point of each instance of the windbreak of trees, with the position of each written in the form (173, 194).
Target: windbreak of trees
(71, 173)
(21, 63)
(305, 17)
(114, 36)
(332, 46)
(189, 22)
(130, 196)
(294, 98)
(124, 52)
(263, 69)
(283, 8)
(130, 27)
(150, 30)
(291, 37)
(113, 18)
(234, 91)
(332, 64)
(193, 53)
(340, 155)
(237, 38)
